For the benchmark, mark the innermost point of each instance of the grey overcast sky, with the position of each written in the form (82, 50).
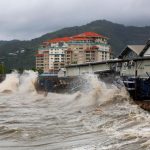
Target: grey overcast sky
(27, 19)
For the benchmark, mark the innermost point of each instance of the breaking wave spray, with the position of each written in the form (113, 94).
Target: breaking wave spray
(101, 117)
(16, 82)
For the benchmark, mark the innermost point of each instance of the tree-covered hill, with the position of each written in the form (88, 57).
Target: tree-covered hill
(21, 54)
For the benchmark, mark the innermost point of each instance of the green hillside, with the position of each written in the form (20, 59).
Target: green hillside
(20, 54)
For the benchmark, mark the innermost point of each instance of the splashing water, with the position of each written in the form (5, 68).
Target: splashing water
(11, 82)
(102, 118)
(22, 83)
(27, 81)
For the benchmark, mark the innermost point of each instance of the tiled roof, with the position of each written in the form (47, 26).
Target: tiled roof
(56, 40)
(79, 39)
(39, 55)
(89, 34)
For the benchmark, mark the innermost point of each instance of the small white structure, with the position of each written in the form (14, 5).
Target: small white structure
(138, 57)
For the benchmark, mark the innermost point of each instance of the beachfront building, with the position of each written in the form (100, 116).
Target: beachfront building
(39, 62)
(50, 56)
(83, 48)
(42, 58)
(87, 47)
(57, 48)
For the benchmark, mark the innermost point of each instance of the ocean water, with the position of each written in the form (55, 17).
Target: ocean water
(101, 118)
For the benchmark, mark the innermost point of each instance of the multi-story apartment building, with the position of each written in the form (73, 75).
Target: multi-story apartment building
(39, 61)
(51, 55)
(86, 47)
(57, 48)
(42, 58)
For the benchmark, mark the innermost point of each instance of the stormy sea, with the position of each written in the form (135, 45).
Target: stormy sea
(101, 118)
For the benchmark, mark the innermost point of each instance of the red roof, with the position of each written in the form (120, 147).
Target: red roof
(89, 34)
(39, 55)
(56, 40)
(79, 39)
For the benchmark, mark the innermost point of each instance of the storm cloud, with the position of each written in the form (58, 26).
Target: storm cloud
(27, 19)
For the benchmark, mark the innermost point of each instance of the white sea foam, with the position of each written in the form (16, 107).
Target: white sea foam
(16, 82)
(101, 117)
(11, 82)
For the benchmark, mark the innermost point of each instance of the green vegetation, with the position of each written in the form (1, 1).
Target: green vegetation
(119, 37)
(2, 69)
